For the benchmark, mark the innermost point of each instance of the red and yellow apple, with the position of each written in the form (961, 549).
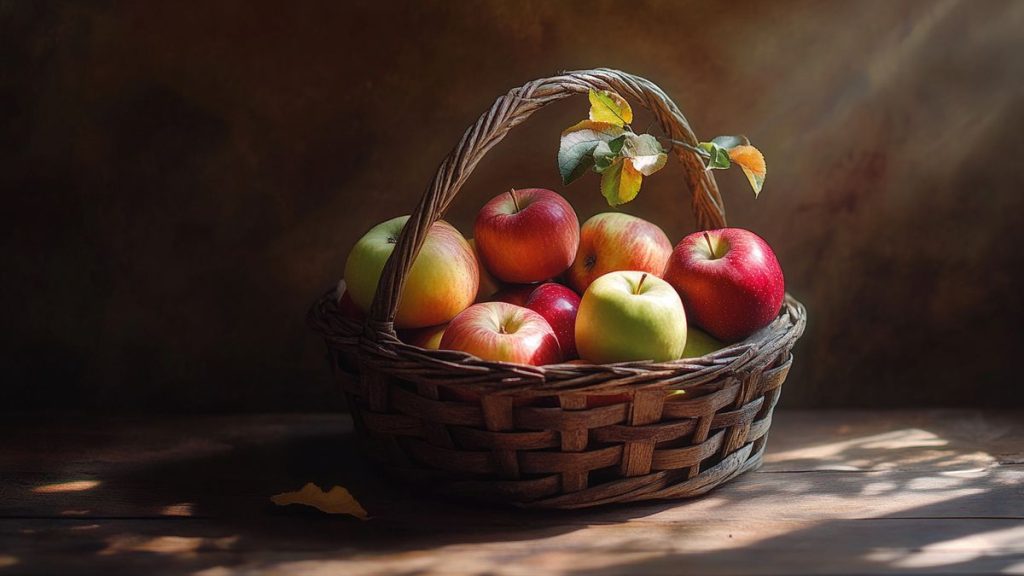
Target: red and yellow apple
(630, 315)
(503, 332)
(443, 280)
(429, 337)
(488, 285)
(614, 241)
(526, 236)
(729, 280)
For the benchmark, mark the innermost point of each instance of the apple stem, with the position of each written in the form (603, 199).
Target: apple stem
(640, 283)
(710, 247)
(515, 201)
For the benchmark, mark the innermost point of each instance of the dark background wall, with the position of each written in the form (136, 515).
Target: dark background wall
(180, 181)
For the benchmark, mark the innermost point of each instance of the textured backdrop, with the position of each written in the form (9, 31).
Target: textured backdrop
(181, 181)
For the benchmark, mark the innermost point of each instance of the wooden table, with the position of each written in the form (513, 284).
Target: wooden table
(840, 493)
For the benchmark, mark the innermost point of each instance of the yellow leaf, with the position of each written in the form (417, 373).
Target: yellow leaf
(752, 162)
(337, 501)
(609, 107)
(620, 183)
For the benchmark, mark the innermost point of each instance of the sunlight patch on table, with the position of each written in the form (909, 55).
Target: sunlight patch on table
(67, 486)
(172, 545)
(896, 449)
(179, 509)
(1006, 541)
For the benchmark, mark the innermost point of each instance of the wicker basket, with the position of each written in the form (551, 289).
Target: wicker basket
(532, 440)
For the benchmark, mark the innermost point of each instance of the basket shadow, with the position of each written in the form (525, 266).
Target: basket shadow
(892, 496)
(188, 500)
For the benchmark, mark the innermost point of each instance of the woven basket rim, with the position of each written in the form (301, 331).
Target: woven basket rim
(510, 379)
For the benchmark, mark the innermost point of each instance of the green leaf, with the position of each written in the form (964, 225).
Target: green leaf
(730, 142)
(620, 183)
(606, 106)
(719, 157)
(607, 153)
(644, 153)
(575, 150)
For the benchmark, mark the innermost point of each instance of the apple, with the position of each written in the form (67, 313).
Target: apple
(699, 343)
(488, 285)
(729, 280)
(526, 236)
(346, 306)
(443, 280)
(630, 315)
(614, 241)
(558, 305)
(503, 332)
(516, 294)
(429, 337)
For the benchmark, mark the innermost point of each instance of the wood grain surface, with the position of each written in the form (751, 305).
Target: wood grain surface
(841, 493)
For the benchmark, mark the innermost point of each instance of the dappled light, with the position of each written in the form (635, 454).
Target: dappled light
(68, 486)
(165, 545)
(954, 551)
(179, 509)
(858, 492)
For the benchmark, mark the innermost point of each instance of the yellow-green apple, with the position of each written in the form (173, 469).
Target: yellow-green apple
(699, 343)
(729, 280)
(429, 337)
(443, 280)
(503, 332)
(614, 241)
(526, 236)
(558, 305)
(630, 315)
(488, 285)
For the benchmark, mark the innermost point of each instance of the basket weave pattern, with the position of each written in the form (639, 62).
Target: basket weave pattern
(537, 437)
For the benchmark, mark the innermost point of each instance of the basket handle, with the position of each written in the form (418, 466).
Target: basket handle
(508, 111)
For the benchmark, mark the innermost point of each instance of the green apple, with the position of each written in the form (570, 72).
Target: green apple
(630, 315)
(443, 280)
(699, 343)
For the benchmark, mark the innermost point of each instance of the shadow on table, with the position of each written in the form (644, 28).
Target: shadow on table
(198, 500)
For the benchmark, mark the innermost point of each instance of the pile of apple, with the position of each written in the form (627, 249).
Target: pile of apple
(535, 288)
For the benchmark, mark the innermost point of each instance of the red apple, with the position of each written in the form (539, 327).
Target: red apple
(346, 306)
(526, 236)
(613, 241)
(729, 280)
(516, 294)
(558, 305)
(503, 332)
